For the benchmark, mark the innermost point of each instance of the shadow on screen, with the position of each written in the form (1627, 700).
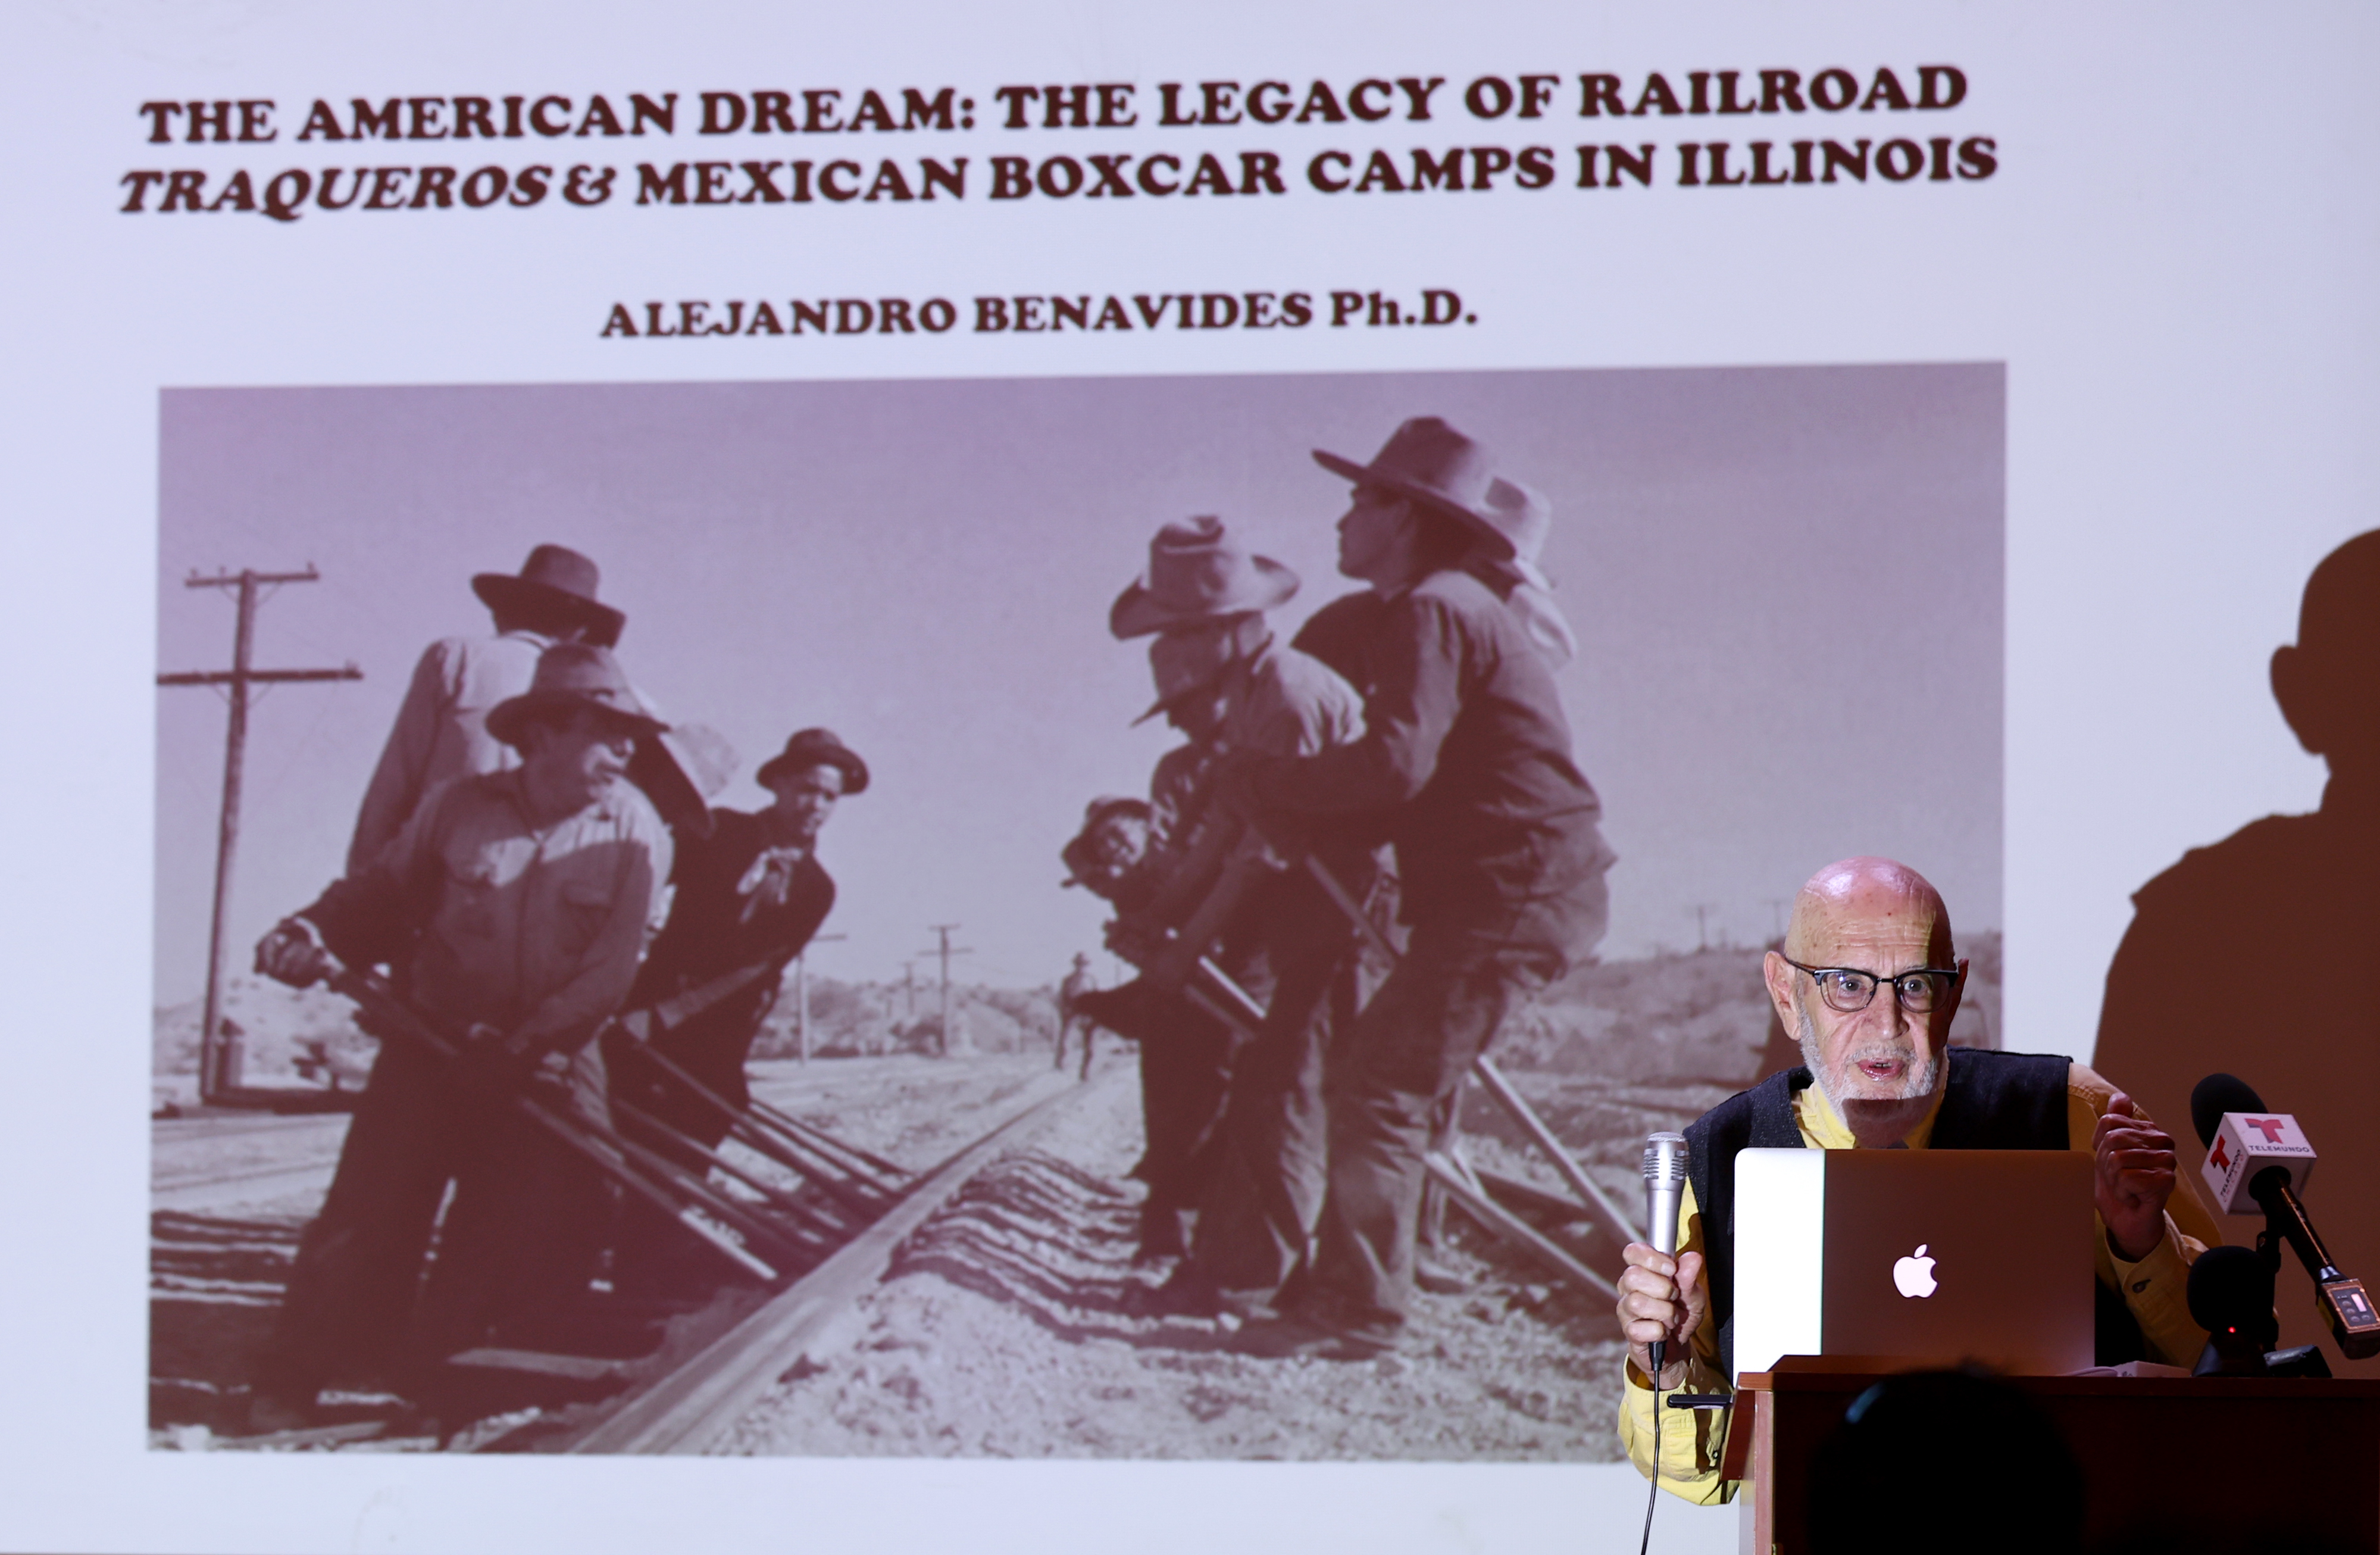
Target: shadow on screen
(2253, 956)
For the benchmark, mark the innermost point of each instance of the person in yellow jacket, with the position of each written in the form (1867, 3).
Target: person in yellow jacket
(1869, 979)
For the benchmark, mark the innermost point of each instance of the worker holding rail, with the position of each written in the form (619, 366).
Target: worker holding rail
(1231, 687)
(512, 909)
(748, 896)
(1466, 760)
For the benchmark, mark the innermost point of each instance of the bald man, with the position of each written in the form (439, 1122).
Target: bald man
(1869, 979)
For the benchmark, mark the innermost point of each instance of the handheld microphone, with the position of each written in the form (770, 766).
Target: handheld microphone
(1665, 1184)
(2255, 1156)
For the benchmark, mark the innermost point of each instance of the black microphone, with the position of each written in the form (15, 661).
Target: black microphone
(1665, 1183)
(2342, 1302)
(2231, 1298)
(2217, 1095)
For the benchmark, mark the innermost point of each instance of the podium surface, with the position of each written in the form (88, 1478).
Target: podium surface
(2217, 1459)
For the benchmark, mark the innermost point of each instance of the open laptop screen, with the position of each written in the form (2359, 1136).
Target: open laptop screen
(1927, 1257)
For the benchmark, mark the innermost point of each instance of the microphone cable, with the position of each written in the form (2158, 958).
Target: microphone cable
(1665, 1181)
(1653, 1482)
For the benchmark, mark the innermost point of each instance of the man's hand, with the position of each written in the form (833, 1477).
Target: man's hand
(1661, 1299)
(292, 953)
(2134, 1177)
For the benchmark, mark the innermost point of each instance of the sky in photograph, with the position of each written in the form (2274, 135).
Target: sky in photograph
(1786, 582)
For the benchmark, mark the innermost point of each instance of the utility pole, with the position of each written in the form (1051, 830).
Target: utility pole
(945, 950)
(1702, 925)
(802, 991)
(908, 1000)
(1777, 905)
(222, 1057)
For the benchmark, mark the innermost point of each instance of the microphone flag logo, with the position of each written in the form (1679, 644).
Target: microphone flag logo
(2244, 1145)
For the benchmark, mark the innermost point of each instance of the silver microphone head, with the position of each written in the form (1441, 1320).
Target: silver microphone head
(1665, 1160)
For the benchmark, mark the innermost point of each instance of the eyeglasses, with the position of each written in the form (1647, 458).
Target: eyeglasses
(1848, 990)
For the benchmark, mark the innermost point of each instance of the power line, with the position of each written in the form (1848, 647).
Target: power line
(222, 1055)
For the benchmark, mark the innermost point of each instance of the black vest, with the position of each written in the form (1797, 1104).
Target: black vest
(1990, 1101)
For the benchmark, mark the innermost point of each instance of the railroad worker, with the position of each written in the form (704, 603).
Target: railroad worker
(1230, 686)
(1120, 856)
(441, 731)
(511, 910)
(1077, 983)
(1337, 634)
(1465, 761)
(1870, 978)
(747, 900)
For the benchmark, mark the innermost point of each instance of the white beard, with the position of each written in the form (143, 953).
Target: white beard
(1919, 1081)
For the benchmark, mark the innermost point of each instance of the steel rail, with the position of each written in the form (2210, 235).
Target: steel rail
(691, 1408)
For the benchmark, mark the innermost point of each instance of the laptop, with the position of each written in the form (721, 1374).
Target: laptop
(1925, 1258)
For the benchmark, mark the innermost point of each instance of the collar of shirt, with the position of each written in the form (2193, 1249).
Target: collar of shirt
(605, 806)
(1822, 1128)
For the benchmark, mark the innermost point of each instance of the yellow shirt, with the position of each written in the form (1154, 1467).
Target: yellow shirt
(2156, 1289)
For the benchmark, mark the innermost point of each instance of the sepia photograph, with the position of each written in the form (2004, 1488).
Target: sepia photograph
(1134, 918)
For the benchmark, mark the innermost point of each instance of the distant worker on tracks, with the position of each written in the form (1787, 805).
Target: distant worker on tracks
(512, 909)
(440, 732)
(1227, 683)
(1466, 755)
(747, 901)
(1077, 983)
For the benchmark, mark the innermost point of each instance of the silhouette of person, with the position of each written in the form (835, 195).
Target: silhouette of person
(2252, 956)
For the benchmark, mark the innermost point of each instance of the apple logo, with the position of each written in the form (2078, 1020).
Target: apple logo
(1914, 1274)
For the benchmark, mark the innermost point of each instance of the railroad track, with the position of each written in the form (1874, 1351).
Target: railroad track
(717, 1360)
(689, 1407)
(271, 1159)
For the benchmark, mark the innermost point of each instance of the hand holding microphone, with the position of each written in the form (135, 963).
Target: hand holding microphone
(1661, 1294)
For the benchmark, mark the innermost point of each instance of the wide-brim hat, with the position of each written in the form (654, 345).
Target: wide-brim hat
(572, 675)
(1431, 462)
(555, 578)
(815, 748)
(1198, 571)
(1109, 806)
(1525, 519)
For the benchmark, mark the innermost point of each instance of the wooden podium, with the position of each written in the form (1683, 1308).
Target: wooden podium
(2211, 1454)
